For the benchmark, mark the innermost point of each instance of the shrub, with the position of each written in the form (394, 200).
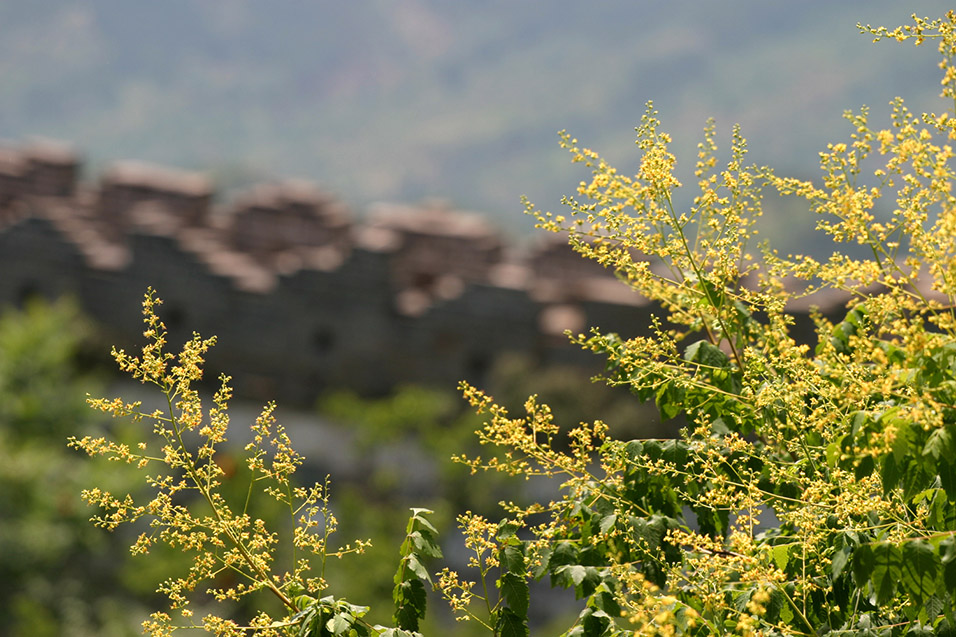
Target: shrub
(811, 491)
(235, 554)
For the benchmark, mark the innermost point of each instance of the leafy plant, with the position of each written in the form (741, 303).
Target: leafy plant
(234, 553)
(812, 490)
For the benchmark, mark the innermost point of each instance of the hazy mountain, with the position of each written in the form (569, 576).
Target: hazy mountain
(400, 100)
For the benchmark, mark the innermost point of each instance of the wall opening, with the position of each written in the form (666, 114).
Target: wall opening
(323, 340)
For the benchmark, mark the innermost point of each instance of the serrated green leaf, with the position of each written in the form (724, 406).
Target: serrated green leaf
(919, 570)
(945, 628)
(339, 624)
(786, 613)
(833, 453)
(887, 569)
(562, 553)
(514, 590)
(670, 400)
(542, 564)
(576, 572)
(396, 632)
(865, 467)
(506, 530)
(354, 609)
(890, 473)
(633, 450)
(653, 532)
(603, 599)
(416, 567)
(947, 551)
(946, 470)
(512, 559)
(707, 354)
(509, 624)
(592, 579)
(781, 555)
(939, 444)
(425, 544)
(840, 559)
(902, 440)
(595, 623)
(607, 523)
(862, 564)
(410, 604)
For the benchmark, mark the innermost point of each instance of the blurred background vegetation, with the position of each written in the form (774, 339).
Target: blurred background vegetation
(59, 575)
(399, 101)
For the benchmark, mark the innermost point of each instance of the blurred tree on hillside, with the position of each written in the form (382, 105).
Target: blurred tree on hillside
(58, 574)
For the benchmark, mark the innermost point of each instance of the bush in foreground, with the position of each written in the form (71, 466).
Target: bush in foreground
(812, 490)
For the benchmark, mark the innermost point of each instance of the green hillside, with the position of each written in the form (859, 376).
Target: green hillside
(459, 100)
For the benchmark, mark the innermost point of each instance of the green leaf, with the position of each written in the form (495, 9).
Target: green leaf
(840, 559)
(946, 470)
(920, 567)
(902, 441)
(607, 523)
(707, 354)
(887, 569)
(634, 449)
(863, 564)
(425, 544)
(506, 529)
(939, 444)
(575, 572)
(603, 599)
(833, 453)
(781, 555)
(865, 467)
(670, 400)
(410, 604)
(890, 473)
(509, 624)
(947, 551)
(512, 559)
(564, 552)
(514, 590)
(945, 629)
(417, 567)
(713, 296)
(339, 624)
(595, 623)
(418, 516)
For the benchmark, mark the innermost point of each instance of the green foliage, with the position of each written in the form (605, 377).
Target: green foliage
(40, 381)
(234, 554)
(409, 594)
(495, 548)
(810, 490)
(57, 576)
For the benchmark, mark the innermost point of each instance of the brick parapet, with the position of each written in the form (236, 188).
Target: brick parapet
(301, 296)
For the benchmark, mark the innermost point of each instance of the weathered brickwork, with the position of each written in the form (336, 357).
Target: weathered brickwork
(301, 296)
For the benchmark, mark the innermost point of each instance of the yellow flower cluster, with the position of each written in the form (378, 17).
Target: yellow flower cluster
(188, 512)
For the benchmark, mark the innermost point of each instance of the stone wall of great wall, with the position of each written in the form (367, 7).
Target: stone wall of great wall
(301, 296)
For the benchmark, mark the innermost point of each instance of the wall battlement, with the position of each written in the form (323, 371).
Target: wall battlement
(302, 296)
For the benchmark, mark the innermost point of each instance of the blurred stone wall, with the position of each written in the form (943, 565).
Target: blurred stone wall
(301, 296)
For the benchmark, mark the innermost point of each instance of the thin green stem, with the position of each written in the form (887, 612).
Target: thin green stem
(260, 575)
(700, 279)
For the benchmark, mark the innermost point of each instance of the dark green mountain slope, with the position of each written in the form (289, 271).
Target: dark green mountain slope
(379, 99)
